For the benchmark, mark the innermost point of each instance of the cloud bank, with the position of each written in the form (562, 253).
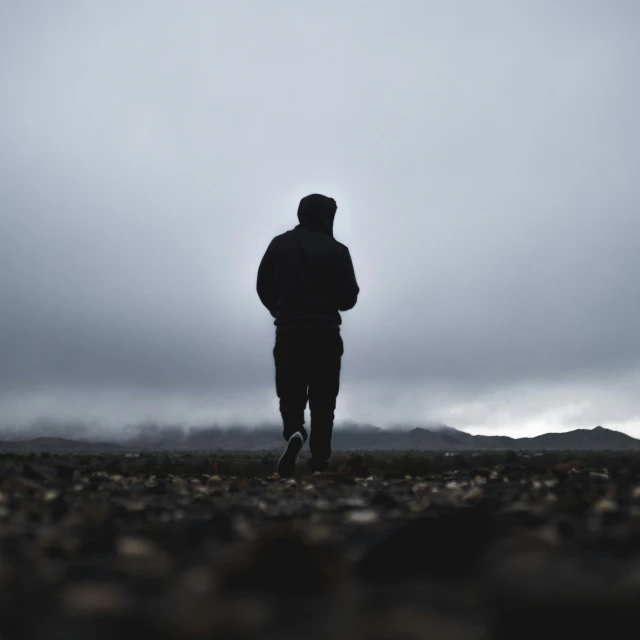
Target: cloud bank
(484, 159)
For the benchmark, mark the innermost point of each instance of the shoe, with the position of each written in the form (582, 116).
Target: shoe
(287, 462)
(317, 466)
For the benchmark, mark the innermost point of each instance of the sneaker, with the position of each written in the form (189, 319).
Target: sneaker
(287, 462)
(317, 466)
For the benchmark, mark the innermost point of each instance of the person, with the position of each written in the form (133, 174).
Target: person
(305, 279)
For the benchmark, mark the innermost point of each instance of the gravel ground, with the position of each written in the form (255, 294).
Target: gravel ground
(465, 547)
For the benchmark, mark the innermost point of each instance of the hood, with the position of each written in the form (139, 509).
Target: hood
(316, 213)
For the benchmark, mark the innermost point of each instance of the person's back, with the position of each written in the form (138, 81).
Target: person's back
(305, 279)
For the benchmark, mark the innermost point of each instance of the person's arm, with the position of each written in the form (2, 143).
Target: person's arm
(266, 285)
(347, 287)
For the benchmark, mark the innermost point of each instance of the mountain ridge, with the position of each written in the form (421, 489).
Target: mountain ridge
(346, 437)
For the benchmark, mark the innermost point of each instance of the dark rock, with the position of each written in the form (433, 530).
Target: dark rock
(65, 473)
(384, 500)
(59, 509)
(39, 474)
(571, 465)
(354, 467)
(283, 562)
(160, 488)
(99, 539)
(445, 547)
(480, 471)
(222, 528)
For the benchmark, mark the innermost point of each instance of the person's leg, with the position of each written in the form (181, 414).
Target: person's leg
(291, 387)
(324, 385)
(291, 382)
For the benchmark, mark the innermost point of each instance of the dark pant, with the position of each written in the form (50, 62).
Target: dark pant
(308, 368)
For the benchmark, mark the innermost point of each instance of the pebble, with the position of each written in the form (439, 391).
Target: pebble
(94, 599)
(362, 516)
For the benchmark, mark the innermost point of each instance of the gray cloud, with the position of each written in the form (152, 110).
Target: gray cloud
(484, 158)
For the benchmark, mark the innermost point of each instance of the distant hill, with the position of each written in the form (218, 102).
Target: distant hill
(598, 438)
(347, 437)
(579, 439)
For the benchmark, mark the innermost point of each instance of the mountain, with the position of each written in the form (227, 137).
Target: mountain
(346, 437)
(598, 438)
(579, 439)
(421, 438)
(352, 436)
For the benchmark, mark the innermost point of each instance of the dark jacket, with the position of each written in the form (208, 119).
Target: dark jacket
(306, 276)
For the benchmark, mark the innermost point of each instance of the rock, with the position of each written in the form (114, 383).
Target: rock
(571, 465)
(362, 516)
(143, 557)
(284, 562)
(604, 505)
(354, 467)
(40, 474)
(354, 502)
(65, 473)
(384, 500)
(446, 547)
(88, 599)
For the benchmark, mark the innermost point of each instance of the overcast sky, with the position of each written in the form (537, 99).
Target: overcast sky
(484, 156)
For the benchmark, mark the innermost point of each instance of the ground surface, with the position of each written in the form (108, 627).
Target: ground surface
(422, 546)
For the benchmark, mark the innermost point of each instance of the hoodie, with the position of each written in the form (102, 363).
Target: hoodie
(306, 276)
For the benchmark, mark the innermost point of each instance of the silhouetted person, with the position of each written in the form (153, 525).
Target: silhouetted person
(305, 278)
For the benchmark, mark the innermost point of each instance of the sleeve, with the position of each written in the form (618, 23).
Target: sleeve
(347, 287)
(266, 285)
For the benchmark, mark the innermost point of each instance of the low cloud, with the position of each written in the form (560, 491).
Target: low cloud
(483, 157)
